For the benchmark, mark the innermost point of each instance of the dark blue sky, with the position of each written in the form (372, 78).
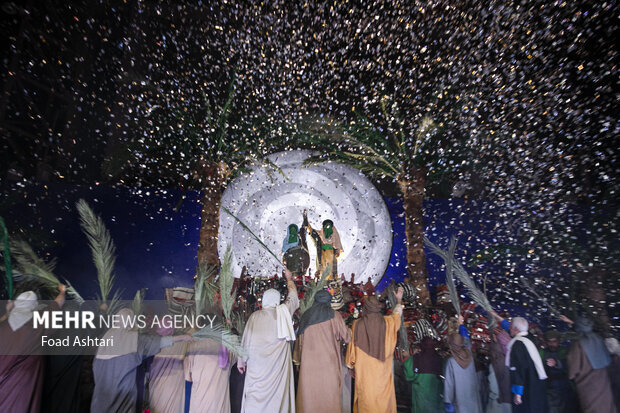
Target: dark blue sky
(157, 244)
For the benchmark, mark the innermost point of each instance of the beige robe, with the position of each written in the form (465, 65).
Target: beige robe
(167, 380)
(320, 374)
(374, 379)
(210, 390)
(593, 385)
(269, 385)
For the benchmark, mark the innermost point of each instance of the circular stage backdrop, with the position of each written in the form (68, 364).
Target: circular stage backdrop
(267, 201)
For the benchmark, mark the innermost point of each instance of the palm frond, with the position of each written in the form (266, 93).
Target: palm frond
(244, 226)
(102, 249)
(224, 113)
(269, 165)
(205, 289)
(474, 292)
(33, 268)
(363, 163)
(530, 288)
(461, 274)
(226, 281)
(362, 140)
(238, 321)
(6, 255)
(312, 288)
(138, 299)
(449, 259)
(223, 336)
(113, 303)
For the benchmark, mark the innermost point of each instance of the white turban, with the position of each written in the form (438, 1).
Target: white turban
(520, 324)
(271, 298)
(24, 305)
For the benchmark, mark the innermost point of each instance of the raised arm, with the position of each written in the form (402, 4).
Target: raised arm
(464, 333)
(292, 299)
(9, 307)
(60, 298)
(505, 324)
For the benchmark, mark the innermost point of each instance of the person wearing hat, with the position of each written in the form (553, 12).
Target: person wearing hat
(560, 395)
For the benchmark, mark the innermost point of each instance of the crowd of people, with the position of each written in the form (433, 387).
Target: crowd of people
(316, 365)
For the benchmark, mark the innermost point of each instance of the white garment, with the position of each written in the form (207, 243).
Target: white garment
(271, 298)
(24, 305)
(532, 351)
(269, 385)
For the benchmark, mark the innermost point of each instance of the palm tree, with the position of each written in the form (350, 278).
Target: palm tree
(389, 151)
(191, 149)
(196, 146)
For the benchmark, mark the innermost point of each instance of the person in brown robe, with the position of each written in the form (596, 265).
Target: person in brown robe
(588, 360)
(21, 369)
(317, 351)
(370, 357)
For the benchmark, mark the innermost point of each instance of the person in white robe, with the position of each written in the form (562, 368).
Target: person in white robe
(269, 384)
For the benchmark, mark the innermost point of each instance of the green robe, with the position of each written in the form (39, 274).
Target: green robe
(425, 390)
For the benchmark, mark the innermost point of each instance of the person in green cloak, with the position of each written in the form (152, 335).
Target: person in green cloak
(295, 251)
(328, 245)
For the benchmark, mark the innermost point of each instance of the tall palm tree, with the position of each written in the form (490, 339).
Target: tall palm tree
(191, 147)
(389, 151)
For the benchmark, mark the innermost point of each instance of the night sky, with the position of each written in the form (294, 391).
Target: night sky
(127, 97)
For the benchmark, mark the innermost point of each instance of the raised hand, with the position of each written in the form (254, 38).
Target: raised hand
(288, 274)
(399, 294)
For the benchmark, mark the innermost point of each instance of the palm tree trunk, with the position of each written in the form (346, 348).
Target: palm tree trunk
(412, 188)
(213, 177)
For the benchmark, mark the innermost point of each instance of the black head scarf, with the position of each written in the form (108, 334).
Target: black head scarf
(320, 311)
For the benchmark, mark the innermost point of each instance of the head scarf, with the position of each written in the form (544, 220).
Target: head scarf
(23, 306)
(320, 311)
(271, 299)
(125, 339)
(328, 228)
(461, 354)
(292, 238)
(370, 330)
(427, 361)
(592, 344)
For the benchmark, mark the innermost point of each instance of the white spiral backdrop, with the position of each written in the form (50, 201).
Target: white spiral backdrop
(267, 203)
